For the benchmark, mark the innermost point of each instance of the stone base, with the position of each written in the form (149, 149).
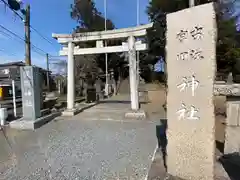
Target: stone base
(70, 112)
(24, 124)
(139, 114)
(78, 109)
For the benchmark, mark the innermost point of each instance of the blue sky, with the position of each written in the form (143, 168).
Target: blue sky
(237, 12)
(53, 16)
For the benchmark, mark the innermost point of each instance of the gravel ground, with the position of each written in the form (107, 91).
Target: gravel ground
(83, 147)
(79, 149)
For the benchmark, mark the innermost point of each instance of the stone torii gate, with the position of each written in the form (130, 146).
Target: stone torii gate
(70, 50)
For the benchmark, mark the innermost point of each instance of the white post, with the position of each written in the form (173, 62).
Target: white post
(191, 3)
(70, 76)
(133, 73)
(138, 53)
(14, 99)
(59, 87)
(106, 55)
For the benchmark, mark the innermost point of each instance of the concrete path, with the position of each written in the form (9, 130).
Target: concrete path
(75, 148)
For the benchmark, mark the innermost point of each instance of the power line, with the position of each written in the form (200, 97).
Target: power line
(4, 33)
(19, 37)
(17, 14)
(13, 10)
(39, 51)
(50, 42)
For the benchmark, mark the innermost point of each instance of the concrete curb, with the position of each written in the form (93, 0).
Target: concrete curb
(24, 124)
(69, 113)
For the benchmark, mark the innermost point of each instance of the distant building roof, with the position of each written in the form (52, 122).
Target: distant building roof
(18, 63)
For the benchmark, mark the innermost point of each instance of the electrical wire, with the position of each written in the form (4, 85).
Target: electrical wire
(35, 48)
(17, 14)
(13, 10)
(50, 42)
(9, 31)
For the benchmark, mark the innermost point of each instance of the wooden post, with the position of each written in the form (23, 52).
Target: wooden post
(27, 37)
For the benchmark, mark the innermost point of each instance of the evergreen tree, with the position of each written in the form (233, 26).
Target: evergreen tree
(90, 19)
(227, 44)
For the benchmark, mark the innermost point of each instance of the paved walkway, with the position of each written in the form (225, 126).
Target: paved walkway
(80, 148)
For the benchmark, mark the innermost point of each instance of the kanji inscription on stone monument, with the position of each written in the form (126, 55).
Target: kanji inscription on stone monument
(196, 33)
(182, 35)
(191, 72)
(189, 114)
(192, 54)
(190, 82)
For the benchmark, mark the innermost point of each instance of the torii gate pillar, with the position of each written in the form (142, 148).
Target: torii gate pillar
(133, 74)
(70, 78)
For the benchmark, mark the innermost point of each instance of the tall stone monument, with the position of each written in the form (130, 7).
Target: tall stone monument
(191, 68)
(31, 92)
(31, 101)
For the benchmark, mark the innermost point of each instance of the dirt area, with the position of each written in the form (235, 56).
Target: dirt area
(157, 98)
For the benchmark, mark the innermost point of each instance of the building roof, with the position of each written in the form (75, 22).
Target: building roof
(18, 63)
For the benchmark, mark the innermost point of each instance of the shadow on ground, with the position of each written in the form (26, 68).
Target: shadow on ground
(161, 133)
(11, 117)
(231, 164)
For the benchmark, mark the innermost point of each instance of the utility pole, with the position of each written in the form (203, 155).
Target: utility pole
(27, 37)
(15, 5)
(48, 83)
